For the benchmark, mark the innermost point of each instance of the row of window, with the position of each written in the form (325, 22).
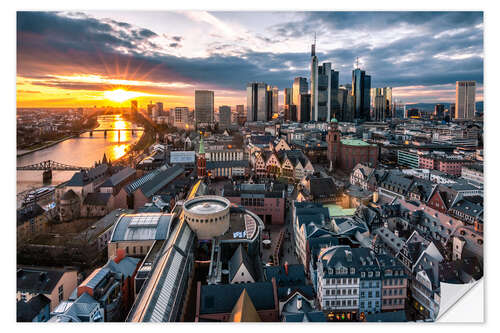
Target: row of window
(393, 292)
(370, 294)
(369, 304)
(254, 202)
(215, 219)
(337, 303)
(339, 292)
(390, 282)
(136, 249)
(341, 281)
(393, 301)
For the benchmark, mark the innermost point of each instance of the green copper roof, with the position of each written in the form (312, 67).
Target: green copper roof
(202, 146)
(334, 120)
(354, 142)
(336, 210)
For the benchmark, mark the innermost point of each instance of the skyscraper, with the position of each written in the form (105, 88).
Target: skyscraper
(150, 108)
(287, 96)
(204, 107)
(304, 112)
(465, 99)
(324, 81)
(361, 84)
(159, 108)
(275, 100)
(314, 83)
(224, 116)
(439, 111)
(134, 108)
(381, 103)
(257, 101)
(181, 116)
(299, 88)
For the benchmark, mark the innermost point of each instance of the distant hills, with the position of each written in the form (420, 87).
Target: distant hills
(429, 107)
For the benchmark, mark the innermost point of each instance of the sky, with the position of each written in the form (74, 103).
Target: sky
(74, 59)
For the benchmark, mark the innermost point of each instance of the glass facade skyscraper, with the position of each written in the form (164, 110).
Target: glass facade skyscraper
(314, 83)
(465, 100)
(204, 106)
(361, 84)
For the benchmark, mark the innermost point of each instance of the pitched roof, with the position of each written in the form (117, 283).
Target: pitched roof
(221, 298)
(155, 180)
(38, 281)
(292, 276)
(244, 310)
(118, 177)
(240, 257)
(97, 199)
(322, 187)
(28, 212)
(84, 177)
(27, 311)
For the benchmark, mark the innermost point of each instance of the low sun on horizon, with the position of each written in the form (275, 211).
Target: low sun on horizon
(121, 95)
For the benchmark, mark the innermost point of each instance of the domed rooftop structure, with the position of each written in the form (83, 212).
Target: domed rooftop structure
(208, 215)
(334, 120)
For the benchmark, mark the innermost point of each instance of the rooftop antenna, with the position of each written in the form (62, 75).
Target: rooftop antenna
(357, 62)
(313, 47)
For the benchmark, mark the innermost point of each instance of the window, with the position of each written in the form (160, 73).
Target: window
(60, 292)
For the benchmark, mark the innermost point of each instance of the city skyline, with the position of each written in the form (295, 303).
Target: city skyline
(420, 54)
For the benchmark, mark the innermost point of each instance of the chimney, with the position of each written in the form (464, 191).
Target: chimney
(286, 267)
(120, 254)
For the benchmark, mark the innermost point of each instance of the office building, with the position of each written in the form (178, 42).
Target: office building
(314, 83)
(287, 96)
(159, 108)
(439, 111)
(303, 113)
(181, 116)
(257, 101)
(204, 107)
(150, 108)
(381, 104)
(299, 89)
(465, 99)
(224, 116)
(134, 108)
(361, 84)
(275, 100)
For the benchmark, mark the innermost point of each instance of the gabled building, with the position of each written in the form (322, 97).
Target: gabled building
(241, 268)
(37, 309)
(142, 190)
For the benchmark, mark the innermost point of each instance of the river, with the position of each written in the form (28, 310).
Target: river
(82, 151)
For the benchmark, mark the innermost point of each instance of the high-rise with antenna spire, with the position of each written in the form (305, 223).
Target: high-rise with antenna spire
(314, 82)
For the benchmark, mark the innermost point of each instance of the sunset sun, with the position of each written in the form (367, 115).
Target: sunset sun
(120, 95)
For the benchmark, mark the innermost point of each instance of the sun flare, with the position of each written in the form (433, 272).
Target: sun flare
(121, 95)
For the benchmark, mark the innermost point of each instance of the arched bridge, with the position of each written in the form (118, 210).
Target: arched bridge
(50, 165)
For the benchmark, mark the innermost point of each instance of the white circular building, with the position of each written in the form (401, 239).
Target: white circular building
(208, 215)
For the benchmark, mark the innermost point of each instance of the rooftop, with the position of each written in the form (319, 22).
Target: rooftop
(355, 142)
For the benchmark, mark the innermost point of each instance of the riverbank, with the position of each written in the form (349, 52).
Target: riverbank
(52, 143)
(47, 145)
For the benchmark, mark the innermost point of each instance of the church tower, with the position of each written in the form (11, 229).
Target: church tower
(201, 163)
(333, 140)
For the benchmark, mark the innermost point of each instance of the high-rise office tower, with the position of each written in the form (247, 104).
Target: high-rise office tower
(304, 112)
(224, 116)
(324, 83)
(204, 106)
(134, 108)
(439, 111)
(378, 104)
(159, 108)
(381, 103)
(361, 84)
(465, 99)
(257, 101)
(299, 88)
(241, 117)
(275, 100)
(269, 103)
(314, 83)
(287, 96)
(150, 108)
(340, 108)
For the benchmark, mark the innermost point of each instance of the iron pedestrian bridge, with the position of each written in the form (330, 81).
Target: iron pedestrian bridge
(51, 165)
(119, 130)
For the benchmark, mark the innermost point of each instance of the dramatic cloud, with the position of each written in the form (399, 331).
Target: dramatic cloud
(223, 51)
